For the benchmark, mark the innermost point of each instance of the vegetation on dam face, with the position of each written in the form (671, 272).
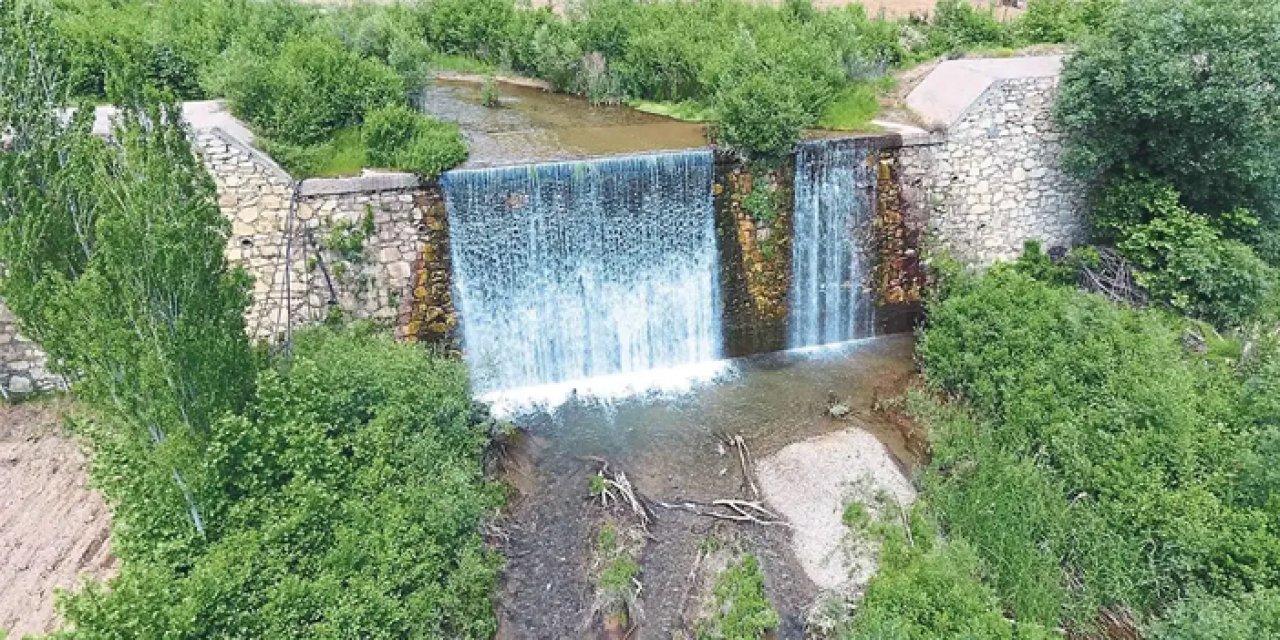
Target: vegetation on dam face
(1103, 425)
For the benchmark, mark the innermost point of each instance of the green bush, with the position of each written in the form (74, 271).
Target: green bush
(957, 25)
(1182, 91)
(1188, 265)
(469, 27)
(742, 612)
(1097, 447)
(926, 589)
(334, 528)
(1063, 20)
(1253, 616)
(400, 138)
(315, 87)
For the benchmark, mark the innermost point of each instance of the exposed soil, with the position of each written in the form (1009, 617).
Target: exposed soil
(671, 451)
(54, 531)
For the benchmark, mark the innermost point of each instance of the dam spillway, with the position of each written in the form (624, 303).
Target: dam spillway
(834, 201)
(573, 270)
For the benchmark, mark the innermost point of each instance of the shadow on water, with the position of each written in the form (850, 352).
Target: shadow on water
(669, 448)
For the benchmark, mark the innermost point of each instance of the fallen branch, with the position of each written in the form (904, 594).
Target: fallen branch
(746, 462)
(733, 510)
(616, 489)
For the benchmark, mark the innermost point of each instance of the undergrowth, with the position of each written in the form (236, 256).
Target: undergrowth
(741, 610)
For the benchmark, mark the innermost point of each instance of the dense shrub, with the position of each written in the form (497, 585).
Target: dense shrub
(1250, 617)
(958, 25)
(1183, 91)
(1188, 265)
(1063, 20)
(469, 27)
(313, 88)
(928, 588)
(741, 608)
(1187, 261)
(405, 139)
(334, 526)
(1102, 466)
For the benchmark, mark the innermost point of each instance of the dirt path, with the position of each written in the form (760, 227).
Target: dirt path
(53, 529)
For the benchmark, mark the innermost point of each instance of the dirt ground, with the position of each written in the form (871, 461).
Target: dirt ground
(53, 529)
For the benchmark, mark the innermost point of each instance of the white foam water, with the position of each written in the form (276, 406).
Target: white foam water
(568, 272)
(834, 199)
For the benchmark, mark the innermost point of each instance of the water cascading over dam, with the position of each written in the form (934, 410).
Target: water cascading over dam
(573, 270)
(834, 201)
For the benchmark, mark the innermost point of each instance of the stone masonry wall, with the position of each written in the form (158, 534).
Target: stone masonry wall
(755, 254)
(995, 180)
(352, 248)
(22, 363)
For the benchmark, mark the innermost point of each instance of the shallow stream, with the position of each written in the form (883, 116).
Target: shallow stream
(669, 447)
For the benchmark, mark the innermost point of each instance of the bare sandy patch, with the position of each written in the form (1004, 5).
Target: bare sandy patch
(811, 482)
(54, 530)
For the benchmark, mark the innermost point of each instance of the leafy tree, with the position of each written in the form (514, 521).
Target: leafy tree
(1183, 91)
(115, 265)
(335, 527)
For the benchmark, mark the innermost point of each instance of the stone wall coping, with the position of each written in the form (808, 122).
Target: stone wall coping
(206, 117)
(257, 155)
(368, 183)
(948, 92)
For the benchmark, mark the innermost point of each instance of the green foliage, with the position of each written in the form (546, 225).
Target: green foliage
(1254, 615)
(929, 591)
(315, 87)
(852, 110)
(1201, 75)
(1100, 465)
(401, 138)
(957, 25)
(334, 528)
(1063, 20)
(762, 202)
(115, 265)
(1191, 262)
(1188, 265)
(742, 612)
(468, 27)
(489, 94)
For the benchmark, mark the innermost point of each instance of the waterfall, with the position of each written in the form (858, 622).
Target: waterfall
(834, 200)
(573, 270)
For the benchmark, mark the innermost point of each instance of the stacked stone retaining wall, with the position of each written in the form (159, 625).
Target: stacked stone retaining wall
(376, 247)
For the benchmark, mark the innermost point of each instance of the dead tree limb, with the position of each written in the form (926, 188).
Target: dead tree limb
(733, 510)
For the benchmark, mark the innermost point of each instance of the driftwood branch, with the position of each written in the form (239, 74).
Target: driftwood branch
(1113, 278)
(616, 490)
(733, 510)
(747, 463)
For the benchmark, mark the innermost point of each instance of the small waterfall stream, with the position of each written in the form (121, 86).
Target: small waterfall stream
(834, 202)
(573, 270)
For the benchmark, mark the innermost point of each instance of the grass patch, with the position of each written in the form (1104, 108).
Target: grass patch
(345, 155)
(741, 609)
(686, 111)
(853, 109)
(461, 64)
